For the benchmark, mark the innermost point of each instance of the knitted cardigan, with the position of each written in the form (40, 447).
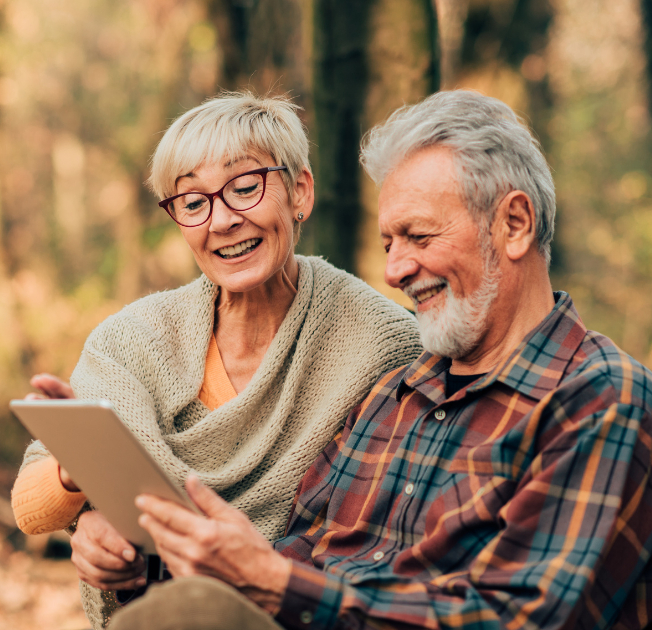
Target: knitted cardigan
(336, 340)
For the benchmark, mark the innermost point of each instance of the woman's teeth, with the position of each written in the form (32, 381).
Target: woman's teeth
(422, 297)
(240, 249)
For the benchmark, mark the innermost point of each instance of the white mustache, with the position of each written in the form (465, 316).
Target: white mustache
(411, 290)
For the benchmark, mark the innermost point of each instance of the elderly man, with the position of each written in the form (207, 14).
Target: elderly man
(500, 481)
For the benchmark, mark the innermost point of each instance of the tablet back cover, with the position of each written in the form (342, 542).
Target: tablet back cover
(103, 457)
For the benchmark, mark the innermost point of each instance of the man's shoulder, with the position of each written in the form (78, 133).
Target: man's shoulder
(386, 387)
(602, 365)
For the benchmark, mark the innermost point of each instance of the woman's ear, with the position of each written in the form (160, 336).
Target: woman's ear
(516, 223)
(304, 195)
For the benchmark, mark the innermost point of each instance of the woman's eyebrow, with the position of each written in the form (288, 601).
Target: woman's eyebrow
(191, 174)
(226, 164)
(230, 163)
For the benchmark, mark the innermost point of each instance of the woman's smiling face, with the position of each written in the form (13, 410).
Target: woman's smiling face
(240, 251)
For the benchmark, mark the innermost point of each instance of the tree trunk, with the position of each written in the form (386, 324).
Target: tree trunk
(403, 60)
(370, 57)
(502, 52)
(340, 81)
(646, 13)
(262, 42)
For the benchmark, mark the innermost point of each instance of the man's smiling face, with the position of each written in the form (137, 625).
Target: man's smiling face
(435, 252)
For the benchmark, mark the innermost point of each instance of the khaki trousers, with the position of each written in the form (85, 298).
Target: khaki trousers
(193, 603)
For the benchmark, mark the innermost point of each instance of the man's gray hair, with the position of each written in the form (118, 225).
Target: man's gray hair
(494, 151)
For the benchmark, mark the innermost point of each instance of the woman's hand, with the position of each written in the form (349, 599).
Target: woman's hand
(53, 388)
(223, 544)
(103, 558)
(66, 480)
(49, 387)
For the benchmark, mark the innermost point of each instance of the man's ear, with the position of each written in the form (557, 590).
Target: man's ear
(516, 224)
(303, 198)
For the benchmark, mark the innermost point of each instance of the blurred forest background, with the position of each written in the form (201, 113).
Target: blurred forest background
(88, 86)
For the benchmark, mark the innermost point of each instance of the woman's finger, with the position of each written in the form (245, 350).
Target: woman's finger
(102, 559)
(90, 568)
(67, 481)
(106, 580)
(94, 530)
(35, 396)
(51, 386)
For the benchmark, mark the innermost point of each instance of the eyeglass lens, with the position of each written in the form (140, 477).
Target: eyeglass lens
(241, 193)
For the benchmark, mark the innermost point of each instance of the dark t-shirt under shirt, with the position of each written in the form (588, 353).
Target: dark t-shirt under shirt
(455, 382)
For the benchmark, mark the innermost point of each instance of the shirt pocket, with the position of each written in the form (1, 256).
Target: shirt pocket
(464, 517)
(479, 484)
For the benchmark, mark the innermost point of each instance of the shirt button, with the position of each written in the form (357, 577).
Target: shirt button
(306, 617)
(409, 489)
(440, 414)
(379, 555)
(480, 492)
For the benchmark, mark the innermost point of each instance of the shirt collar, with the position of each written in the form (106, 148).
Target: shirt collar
(536, 365)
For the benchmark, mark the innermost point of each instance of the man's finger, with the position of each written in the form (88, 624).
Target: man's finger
(208, 501)
(174, 562)
(169, 514)
(167, 540)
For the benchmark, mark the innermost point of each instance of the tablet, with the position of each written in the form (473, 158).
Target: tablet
(104, 458)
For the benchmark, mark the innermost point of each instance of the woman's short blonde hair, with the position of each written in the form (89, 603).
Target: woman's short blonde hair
(231, 126)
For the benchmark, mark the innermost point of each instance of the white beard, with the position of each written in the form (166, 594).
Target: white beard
(454, 329)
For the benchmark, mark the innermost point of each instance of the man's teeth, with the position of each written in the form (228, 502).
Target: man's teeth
(422, 297)
(240, 249)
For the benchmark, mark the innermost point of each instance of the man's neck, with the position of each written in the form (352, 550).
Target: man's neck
(517, 310)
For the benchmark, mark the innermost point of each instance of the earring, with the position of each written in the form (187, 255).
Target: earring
(300, 216)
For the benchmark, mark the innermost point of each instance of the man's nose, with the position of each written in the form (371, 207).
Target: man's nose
(223, 218)
(401, 266)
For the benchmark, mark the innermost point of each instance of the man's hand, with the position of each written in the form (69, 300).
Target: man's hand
(103, 558)
(223, 544)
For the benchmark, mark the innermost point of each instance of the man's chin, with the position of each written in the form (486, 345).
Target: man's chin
(450, 331)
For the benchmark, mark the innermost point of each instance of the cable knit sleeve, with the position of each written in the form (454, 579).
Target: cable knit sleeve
(40, 502)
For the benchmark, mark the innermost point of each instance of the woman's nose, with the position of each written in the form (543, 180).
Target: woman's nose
(223, 218)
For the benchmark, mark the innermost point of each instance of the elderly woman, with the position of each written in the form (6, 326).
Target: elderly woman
(242, 376)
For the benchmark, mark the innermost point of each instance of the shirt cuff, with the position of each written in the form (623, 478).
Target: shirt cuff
(312, 599)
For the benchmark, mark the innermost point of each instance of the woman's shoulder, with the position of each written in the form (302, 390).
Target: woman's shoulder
(354, 302)
(163, 310)
(363, 332)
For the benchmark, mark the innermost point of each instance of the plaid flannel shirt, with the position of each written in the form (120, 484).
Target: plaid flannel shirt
(522, 501)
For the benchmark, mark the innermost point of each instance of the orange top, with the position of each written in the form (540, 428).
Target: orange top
(216, 388)
(40, 502)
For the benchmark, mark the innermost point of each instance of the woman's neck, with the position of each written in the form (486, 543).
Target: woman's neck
(246, 323)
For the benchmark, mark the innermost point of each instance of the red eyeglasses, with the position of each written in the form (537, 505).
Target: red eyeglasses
(243, 192)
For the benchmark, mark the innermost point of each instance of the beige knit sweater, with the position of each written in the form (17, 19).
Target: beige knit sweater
(337, 338)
